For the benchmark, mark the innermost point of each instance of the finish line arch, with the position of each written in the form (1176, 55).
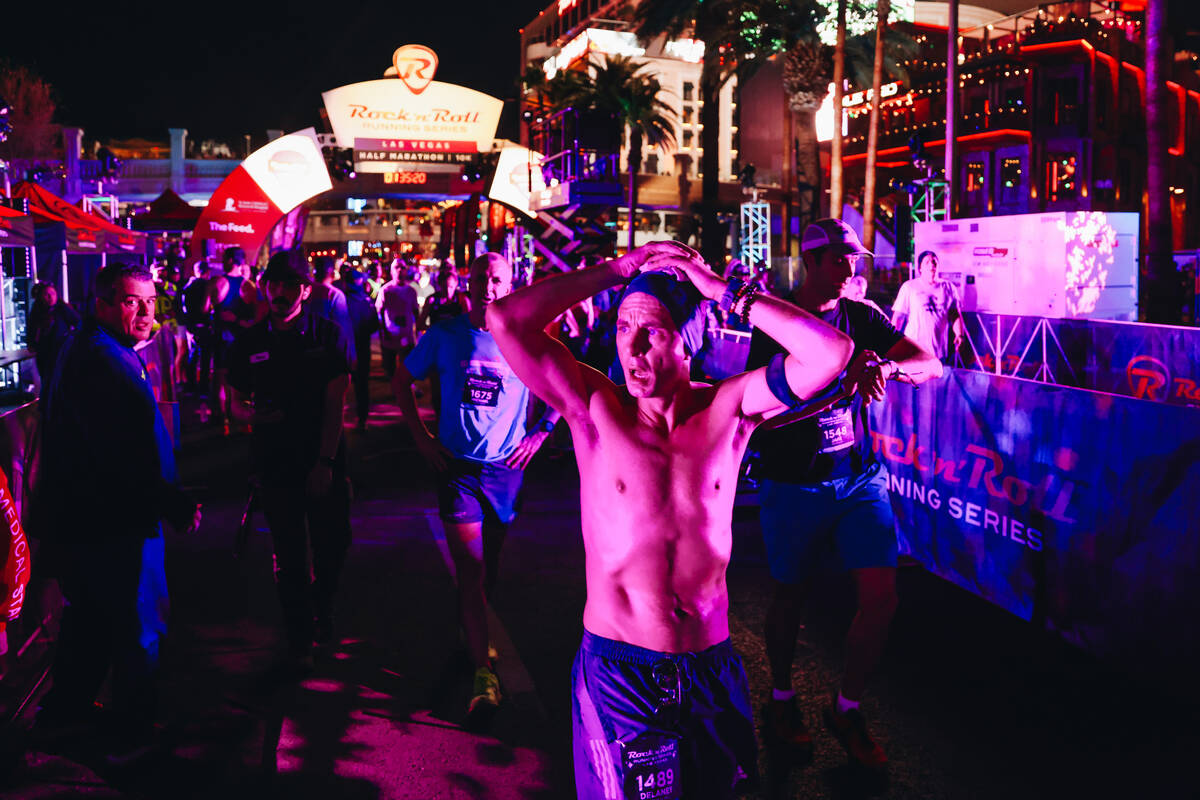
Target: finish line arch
(403, 122)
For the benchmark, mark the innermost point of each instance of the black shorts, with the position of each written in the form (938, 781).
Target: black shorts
(222, 348)
(479, 491)
(653, 725)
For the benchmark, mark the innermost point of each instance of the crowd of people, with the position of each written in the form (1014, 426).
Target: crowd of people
(616, 348)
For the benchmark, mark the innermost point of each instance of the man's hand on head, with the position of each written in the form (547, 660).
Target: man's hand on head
(632, 262)
(686, 264)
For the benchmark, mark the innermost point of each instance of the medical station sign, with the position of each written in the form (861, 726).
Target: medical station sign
(409, 119)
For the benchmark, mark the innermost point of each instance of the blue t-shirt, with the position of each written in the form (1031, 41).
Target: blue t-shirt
(483, 403)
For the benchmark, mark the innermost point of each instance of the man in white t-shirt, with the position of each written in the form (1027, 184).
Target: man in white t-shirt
(926, 309)
(398, 308)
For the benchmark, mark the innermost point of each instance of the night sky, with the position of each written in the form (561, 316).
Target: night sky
(222, 69)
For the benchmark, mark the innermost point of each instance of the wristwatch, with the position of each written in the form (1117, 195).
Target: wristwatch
(545, 426)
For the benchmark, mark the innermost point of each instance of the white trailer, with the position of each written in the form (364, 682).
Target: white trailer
(1061, 265)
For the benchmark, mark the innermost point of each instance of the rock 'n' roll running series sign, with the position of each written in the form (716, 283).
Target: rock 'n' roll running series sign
(409, 121)
(1070, 508)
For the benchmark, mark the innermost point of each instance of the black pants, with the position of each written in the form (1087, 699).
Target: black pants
(391, 357)
(298, 521)
(361, 377)
(116, 594)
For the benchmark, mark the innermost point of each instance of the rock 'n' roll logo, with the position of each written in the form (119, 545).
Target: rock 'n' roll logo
(415, 65)
(1147, 377)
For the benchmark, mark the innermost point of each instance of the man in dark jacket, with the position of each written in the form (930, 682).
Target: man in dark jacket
(108, 480)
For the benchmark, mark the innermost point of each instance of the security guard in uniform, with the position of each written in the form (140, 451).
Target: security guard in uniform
(290, 373)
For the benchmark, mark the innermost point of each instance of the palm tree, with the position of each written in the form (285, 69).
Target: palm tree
(738, 35)
(620, 88)
(807, 70)
(881, 15)
(557, 93)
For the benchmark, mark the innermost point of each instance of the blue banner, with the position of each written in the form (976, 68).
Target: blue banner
(1149, 362)
(1072, 509)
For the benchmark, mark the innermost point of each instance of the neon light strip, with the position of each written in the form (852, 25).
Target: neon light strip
(1049, 47)
(1180, 138)
(970, 137)
(1139, 73)
(1116, 75)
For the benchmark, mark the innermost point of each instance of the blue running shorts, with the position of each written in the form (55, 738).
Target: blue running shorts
(804, 524)
(661, 726)
(478, 491)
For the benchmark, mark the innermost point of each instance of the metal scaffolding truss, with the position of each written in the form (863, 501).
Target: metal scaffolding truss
(929, 201)
(1011, 346)
(755, 234)
(520, 251)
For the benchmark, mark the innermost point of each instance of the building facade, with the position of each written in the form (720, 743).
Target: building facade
(568, 34)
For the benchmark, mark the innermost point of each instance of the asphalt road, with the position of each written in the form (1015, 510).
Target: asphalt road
(969, 702)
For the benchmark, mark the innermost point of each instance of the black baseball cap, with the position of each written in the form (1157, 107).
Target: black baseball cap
(288, 265)
(829, 232)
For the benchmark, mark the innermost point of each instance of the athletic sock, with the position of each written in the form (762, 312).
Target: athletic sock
(844, 705)
(782, 695)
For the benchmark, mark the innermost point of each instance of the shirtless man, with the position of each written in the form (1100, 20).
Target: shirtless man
(660, 699)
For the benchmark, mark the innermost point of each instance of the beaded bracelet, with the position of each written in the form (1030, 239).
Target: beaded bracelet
(744, 289)
(750, 298)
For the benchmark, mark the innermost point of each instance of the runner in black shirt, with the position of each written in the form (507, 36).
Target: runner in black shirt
(821, 489)
(289, 374)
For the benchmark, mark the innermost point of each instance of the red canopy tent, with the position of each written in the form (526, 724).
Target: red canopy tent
(82, 235)
(111, 238)
(16, 229)
(168, 212)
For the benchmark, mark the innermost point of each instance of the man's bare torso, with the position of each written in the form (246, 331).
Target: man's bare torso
(656, 508)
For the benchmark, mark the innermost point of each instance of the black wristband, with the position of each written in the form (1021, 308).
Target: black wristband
(777, 382)
(328, 461)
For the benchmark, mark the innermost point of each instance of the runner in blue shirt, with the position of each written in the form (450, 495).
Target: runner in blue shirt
(479, 452)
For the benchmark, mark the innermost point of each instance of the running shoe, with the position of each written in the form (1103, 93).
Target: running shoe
(485, 697)
(850, 729)
(783, 725)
